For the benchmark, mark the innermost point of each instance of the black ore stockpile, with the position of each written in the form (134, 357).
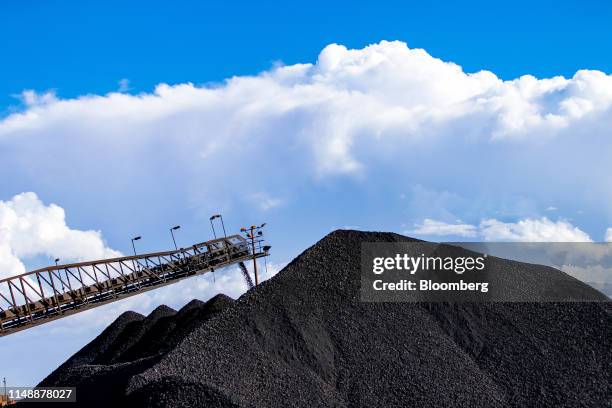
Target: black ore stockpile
(303, 338)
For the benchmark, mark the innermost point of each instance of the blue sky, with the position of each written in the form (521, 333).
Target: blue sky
(86, 47)
(121, 119)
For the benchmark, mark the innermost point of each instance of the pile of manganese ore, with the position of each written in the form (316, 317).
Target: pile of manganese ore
(304, 338)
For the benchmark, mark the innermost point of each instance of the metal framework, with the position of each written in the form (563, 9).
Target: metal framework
(54, 292)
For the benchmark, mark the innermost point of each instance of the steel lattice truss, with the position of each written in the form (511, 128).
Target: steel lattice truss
(50, 293)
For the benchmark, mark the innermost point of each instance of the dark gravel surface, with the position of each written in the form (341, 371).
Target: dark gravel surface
(304, 338)
(130, 345)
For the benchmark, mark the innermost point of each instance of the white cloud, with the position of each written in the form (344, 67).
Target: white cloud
(33, 99)
(352, 107)
(383, 115)
(29, 228)
(434, 228)
(526, 230)
(590, 273)
(265, 202)
(532, 230)
(608, 236)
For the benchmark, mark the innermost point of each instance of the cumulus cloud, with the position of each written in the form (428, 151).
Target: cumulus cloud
(608, 236)
(386, 111)
(30, 228)
(593, 274)
(532, 230)
(433, 227)
(526, 230)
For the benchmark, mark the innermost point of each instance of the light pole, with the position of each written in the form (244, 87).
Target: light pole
(254, 232)
(60, 274)
(172, 233)
(213, 226)
(222, 224)
(134, 246)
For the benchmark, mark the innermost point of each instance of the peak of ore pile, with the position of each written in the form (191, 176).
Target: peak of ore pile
(303, 338)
